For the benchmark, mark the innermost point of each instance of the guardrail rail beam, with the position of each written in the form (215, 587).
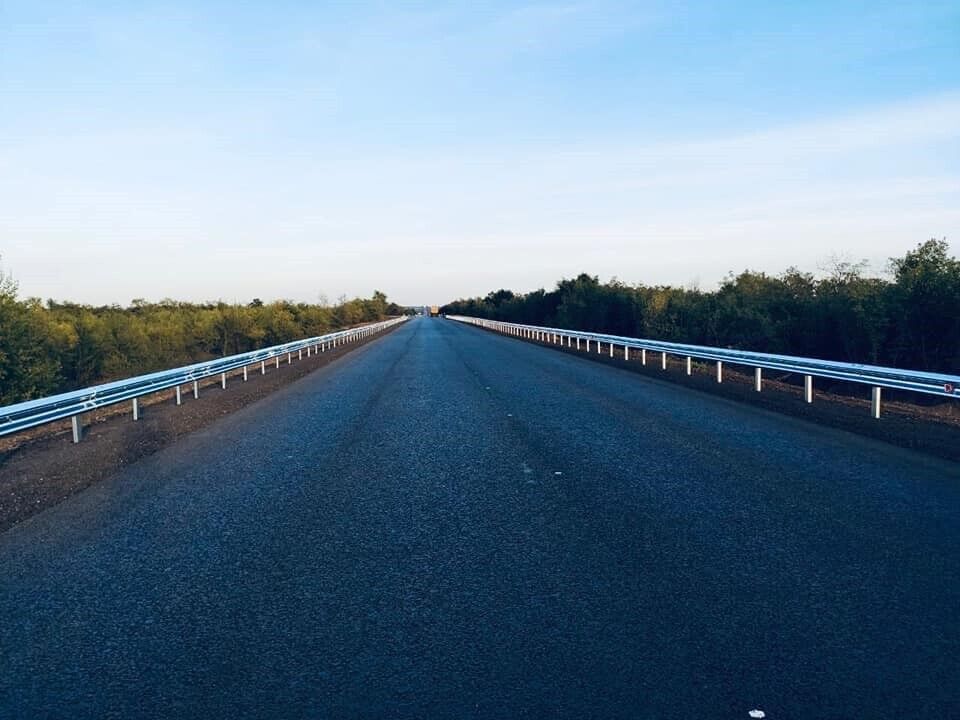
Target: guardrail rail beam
(73, 405)
(876, 377)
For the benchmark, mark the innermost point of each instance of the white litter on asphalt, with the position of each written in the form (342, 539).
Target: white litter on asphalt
(557, 472)
(757, 714)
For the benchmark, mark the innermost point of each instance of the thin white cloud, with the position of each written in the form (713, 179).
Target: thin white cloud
(340, 219)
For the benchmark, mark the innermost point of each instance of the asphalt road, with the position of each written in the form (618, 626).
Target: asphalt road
(447, 523)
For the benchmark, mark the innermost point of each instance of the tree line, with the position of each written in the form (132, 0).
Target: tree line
(909, 319)
(53, 347)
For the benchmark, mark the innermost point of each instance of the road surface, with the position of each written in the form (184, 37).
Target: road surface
(448, 523)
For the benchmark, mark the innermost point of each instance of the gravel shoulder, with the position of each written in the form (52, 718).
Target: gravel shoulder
(907, 421)
(42, 467)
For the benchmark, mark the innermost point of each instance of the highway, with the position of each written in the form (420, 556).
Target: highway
(448, 523)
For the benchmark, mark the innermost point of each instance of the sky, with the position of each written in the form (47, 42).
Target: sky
(303, 150)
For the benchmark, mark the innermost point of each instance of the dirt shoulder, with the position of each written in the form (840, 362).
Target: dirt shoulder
(933, 429)
(41, 467)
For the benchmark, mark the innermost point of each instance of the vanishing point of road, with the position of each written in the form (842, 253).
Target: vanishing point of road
(447, 523)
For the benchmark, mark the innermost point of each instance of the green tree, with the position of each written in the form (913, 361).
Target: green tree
(28, 363)
(926, 298)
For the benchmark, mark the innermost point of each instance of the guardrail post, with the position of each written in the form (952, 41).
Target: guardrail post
(196, 389)
(588, 344)
(611, 349)
(77, 426)
(875, 403)
(758, 379)
(263, 367)
(300, 357)
(626, 353)
(136, 408)
(277, 359)
(808, 388)
(598, 347)
(578, 343)
(289, 358)
(643, 356)
(663, 361)
(689, 366)
(179, 398)
(244, 373)
(719, 371)
(223, 380)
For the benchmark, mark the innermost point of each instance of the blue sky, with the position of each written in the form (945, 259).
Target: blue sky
(232, 150)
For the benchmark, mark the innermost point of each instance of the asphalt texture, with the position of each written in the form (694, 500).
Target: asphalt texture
(447, 523)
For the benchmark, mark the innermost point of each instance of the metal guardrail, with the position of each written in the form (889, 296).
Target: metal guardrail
(32, 413)
(875, 376)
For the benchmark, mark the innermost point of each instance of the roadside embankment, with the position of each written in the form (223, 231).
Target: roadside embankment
(930, 428)
(42, 466)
